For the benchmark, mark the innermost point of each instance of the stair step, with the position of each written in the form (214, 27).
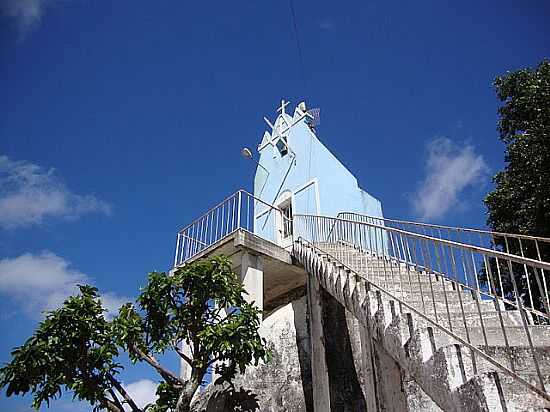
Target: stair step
(427, 306)
(509, 318)
(415, 287)
(516, 336)
(442, 369)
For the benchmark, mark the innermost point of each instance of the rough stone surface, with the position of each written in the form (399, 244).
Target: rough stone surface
(376, 354)
(406, 349)
(282, 385)
(417, 399)
(345, 389)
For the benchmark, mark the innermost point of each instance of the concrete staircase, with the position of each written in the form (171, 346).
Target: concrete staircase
(425, 322)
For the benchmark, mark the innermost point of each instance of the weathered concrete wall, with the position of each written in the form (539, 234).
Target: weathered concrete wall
(404, 350)
(282, 385)
(344, 381)
(319, 371)
(417, 400)
(286, 384)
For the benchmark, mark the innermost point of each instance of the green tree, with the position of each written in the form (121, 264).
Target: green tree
(76, 348)
(520, 202)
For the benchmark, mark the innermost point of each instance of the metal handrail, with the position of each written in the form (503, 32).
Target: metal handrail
(237, 211)
(417, 252)
(449, 332)
(472, 248)
(514, 244)
(544, 266)
(491, 252)
(401, 252)
(224, 201)
(464, 229)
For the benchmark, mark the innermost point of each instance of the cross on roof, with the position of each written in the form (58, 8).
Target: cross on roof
(283, 105)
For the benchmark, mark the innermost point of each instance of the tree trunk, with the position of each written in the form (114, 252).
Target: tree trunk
(186, 394)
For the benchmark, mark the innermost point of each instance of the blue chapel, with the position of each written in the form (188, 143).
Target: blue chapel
(297, 173)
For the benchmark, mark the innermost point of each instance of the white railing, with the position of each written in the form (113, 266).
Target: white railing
(484, 238)
(418, 270)
(240, 211)
(521, 246)
(410, 260)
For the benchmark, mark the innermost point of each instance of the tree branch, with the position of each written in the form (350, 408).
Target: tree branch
(183, 355)
(108, 404)
(219, 309)
(124, 394)
(115, 400)
(226, 318)
(213, 360)
(150, 359)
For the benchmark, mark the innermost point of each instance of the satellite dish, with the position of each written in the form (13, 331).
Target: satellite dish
(314, 118)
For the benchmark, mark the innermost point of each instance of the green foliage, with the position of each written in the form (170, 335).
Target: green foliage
(167, 398)
(520, 202)
(72, 349)
(76, 348)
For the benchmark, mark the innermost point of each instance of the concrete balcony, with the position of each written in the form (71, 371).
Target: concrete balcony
(249, 232)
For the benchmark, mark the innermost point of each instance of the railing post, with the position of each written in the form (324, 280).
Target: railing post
(239, 210)
(543, 280)
(177, 249)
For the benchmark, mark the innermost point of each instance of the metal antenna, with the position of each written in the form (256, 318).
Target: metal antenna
(314, 117)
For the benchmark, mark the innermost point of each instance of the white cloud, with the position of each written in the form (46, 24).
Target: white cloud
(142, 392)
(30, 193)
(26, 13)
(112, 302)
(449, 171)
(43, 281)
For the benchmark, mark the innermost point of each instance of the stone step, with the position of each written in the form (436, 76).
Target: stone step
(448, 297)
(472, 319)
(411, 277)
(403, 271)
(515, 332)
(437, 291)
(515, 396)
(469, 306)
(372, 263)
(362, 266)
(438, 367)
(516, 336)
(414, 282)
(490, 335)
(509, 318)
(451, 362)
(520, 360)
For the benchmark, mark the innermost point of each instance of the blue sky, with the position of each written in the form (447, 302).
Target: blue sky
(121, 121)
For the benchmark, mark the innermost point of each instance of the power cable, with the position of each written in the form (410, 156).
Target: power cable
(298, 45)
(304, 85)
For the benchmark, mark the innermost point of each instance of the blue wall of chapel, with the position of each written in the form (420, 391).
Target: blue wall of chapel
(338, 190)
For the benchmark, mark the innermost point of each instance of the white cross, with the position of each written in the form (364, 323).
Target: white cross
(283, 105)
(276, 133)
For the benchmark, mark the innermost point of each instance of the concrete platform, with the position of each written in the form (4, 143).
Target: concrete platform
(280, 276)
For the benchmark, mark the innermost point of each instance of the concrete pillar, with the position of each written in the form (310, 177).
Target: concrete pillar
(369, 380)
(252, 278)
(389, 382)
(185, 368)
(319, 369)
(369, 375)
(215, 376)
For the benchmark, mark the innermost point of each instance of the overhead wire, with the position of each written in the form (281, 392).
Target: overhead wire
(298, 45)
(304, 86)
